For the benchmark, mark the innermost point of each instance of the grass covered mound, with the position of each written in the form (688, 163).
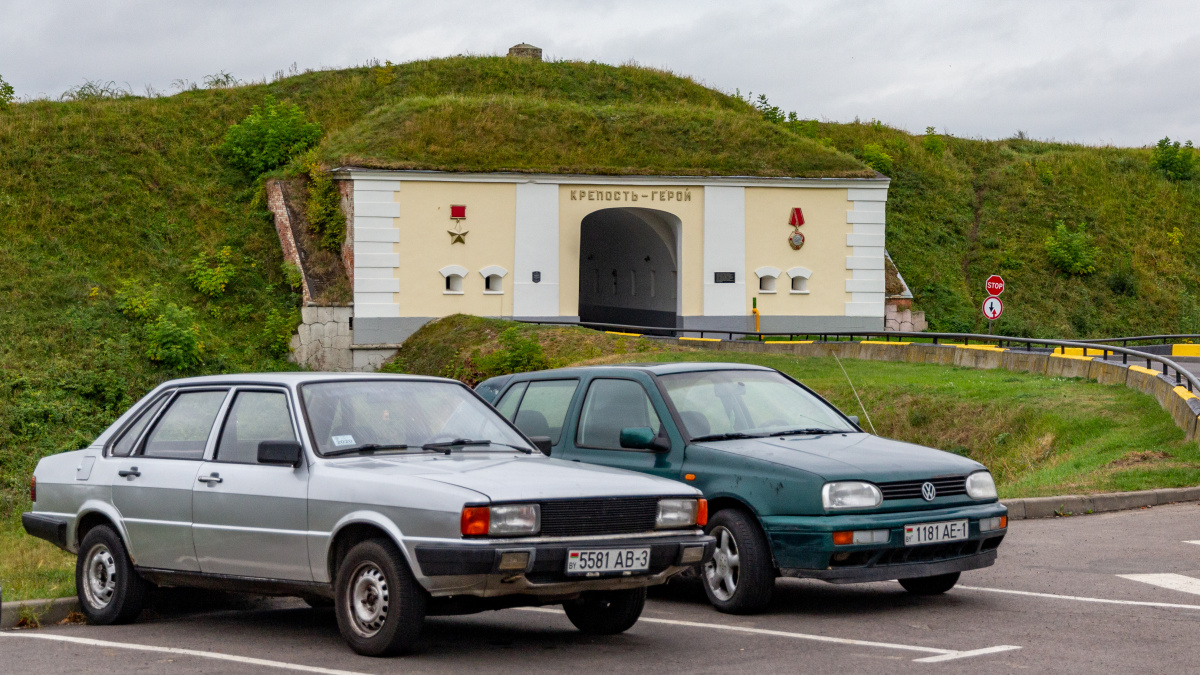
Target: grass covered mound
(504, 133)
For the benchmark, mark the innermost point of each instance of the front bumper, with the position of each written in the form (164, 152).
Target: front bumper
(803, 545)
(463, 568)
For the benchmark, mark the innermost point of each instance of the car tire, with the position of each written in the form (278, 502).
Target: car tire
(930, 585)
(740, 578)
(380, 607)
(110, 591)
(606, 612)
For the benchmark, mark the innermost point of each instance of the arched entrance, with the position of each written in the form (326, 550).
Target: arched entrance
(629, 267)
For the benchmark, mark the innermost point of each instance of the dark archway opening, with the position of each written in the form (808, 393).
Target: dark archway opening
(628, 267)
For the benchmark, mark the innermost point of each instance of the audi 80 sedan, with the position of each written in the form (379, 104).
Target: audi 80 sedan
(393, 497)
(794, 487)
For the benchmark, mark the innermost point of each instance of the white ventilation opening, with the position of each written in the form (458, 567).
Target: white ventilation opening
(493, 283)
(454, 275)
(799, 285)
(766, 278)
(800, 277)
(454, 283)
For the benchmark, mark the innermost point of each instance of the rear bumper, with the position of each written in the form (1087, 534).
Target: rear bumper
(474, 569)
(51, 528)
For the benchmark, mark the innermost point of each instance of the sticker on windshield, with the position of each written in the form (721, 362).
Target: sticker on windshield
(342, 441)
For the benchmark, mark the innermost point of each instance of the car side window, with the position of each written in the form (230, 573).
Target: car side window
(255, 416)
(613, 405)
(183, 429)
(507, 405)
(544, 408)
(125, 443)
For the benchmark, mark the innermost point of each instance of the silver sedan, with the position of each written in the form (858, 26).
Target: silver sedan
(391, 497)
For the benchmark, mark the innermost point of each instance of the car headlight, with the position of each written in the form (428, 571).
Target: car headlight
(850, 495)
(507, 519)
(981, 486)
(676, 513)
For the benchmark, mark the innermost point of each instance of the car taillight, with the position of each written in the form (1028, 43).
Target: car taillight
(702, 513)
(33, 488)
(475, 520)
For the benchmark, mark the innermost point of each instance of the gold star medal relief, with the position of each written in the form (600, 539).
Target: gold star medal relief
(458, 213)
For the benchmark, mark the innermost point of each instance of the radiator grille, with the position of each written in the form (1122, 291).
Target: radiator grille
(947, 486)
(585, 517)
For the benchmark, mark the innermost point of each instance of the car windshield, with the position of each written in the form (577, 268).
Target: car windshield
(398, 415)
(740, 403)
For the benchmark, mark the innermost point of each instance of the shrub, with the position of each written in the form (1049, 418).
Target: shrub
(269, 136)
(292, 274)
(1122, 281)
(1175, 236)
(1071, 252)
(174, 338)
(876, 158)
(518, 354)
(137, 304)
(934, 144)
(6, 94)
(1174, 162)
(209, 276)
(324, 210)
(277, 333)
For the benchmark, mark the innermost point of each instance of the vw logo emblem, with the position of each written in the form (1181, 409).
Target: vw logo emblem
(928, 492)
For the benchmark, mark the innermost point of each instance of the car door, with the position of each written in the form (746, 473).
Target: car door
(251, 519)
(540, 407)
(153, 486)
(611, 404)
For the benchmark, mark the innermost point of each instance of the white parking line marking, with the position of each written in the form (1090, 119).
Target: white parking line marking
(1076, 598)
(1175, 582)
(1197, 542)
(175, 650)
(939, 654)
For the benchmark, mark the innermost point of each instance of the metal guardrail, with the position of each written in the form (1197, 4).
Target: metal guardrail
(1182, 376)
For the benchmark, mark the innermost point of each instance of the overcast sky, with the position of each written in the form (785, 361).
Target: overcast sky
(1124, 73)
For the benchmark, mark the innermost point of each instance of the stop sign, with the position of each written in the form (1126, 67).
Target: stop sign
(994, 285)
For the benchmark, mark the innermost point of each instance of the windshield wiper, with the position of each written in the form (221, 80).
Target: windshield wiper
(365, 448)
(446, 446)
(726, 437)
(806, 432)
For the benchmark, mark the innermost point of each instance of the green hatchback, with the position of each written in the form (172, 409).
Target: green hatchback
(794, 487)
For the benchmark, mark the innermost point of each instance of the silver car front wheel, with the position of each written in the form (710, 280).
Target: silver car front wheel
(380, 606)
(368, 599)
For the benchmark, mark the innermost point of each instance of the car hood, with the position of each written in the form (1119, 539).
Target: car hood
(851, 456)
(504, 478)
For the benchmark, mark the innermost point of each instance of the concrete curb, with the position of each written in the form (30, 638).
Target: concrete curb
(1078, 505)
(46, 611)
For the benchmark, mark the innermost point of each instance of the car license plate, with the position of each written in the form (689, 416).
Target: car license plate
(932, 533)
(597, 561)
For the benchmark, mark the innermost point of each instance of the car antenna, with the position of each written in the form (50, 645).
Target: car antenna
(860, 403)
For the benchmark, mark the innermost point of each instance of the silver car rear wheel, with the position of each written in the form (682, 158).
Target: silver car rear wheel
(721, 573)
(99, 576)
(368, 598)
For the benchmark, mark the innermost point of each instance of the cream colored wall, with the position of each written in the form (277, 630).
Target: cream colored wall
(425, 247)
(824, 251)
(577, 201)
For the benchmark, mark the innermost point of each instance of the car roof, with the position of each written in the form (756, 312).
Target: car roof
(291, 379)
(651, 368)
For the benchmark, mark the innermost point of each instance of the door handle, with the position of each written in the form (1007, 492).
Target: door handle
(131, 471)
(210, 479)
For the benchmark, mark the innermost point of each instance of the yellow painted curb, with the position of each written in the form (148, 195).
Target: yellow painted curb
(988, 348)
(1185, 350)
(701, 339)
(883, 342)
(1140, 369)
(1072, 356)
(787, 342)
(1183, 393)
(613, 332)
(1078, 351)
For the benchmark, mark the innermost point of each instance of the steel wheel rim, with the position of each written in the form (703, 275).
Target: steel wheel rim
(723, 571)
(368, 600)
(99, 576)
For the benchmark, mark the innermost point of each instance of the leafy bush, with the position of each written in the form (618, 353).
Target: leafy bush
(277, 333)
(137, 304)
(269, 136)
(934, 144)
(6, 94)
(292, 274)
(1122, 281)
(174, 338)
(1175, 162)
(324, 210)
(518, 354)
(877, 159)
(209, 276)
(1071, 252)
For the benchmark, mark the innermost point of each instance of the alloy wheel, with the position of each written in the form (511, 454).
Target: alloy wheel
(721, 573)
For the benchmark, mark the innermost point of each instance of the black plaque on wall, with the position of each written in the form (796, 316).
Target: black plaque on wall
(724, 277)
(537, 277)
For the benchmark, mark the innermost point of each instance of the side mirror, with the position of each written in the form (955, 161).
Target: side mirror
(854, 418)
(285, 453)
(542, 443)
(642, 438)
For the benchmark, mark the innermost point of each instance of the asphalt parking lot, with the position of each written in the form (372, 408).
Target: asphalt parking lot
(1101, 593)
